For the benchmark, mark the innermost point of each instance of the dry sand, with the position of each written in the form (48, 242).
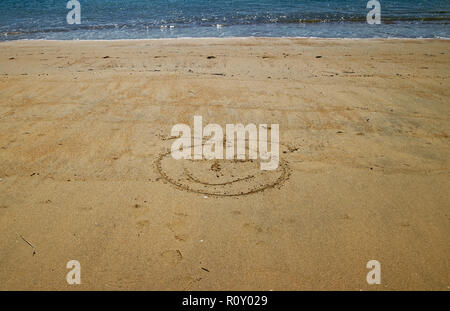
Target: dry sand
(365, 148)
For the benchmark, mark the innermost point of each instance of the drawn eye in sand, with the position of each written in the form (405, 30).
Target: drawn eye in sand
(220, 177)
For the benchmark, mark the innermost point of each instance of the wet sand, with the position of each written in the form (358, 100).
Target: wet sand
(364, 174)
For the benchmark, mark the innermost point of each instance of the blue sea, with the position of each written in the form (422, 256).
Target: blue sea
(142, 19)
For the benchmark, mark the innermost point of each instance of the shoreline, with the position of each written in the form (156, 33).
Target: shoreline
(227, 38)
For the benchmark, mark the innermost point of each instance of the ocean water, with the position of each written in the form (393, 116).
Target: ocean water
(141, 19)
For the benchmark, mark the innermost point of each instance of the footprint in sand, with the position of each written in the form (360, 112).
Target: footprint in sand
(172, 256)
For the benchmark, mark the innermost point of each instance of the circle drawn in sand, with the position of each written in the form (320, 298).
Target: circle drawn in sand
(220, 177)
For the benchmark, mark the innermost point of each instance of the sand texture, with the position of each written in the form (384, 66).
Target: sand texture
(364, 171)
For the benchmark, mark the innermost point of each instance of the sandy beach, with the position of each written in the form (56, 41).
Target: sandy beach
(364, 173)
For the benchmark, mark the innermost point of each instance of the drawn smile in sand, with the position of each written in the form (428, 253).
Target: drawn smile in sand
(212, 167)
(220, 177)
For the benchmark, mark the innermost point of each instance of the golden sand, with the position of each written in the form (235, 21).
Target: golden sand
(364, 174)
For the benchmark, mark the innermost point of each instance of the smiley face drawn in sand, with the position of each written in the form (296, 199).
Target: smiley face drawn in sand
(224, 178)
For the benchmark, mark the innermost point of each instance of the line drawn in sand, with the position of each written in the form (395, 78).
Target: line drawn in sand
(220, 177)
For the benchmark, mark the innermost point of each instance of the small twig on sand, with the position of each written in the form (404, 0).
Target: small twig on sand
(32, 246)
